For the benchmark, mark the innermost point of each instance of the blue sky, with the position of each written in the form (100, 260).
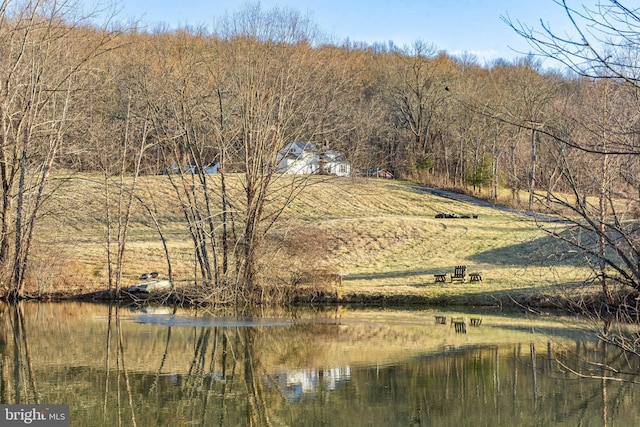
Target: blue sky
(456, 26)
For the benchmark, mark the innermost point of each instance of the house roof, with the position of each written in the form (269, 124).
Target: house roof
(306, 146)
(297, 149)
(334, 156)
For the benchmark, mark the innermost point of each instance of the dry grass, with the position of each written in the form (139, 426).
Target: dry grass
(382, 236)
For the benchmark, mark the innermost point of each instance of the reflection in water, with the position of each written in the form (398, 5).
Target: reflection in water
(299, 383)
(369, 368)
(23, 388)
(173, 320)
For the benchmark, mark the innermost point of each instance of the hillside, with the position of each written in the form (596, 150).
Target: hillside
(383, 237)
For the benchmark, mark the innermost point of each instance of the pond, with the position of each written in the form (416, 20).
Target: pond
(326, 367)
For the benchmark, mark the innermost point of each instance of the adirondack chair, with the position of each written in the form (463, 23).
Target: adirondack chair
(459, 273)
(461, 327)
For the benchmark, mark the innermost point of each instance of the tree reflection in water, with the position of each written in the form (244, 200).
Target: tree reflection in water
(114, 369)
(23, 388)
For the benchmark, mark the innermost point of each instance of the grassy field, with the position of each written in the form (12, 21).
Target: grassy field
(381, 236)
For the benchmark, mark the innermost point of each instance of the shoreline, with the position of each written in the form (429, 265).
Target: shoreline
(591, 302)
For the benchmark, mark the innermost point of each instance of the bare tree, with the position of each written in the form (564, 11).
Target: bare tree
(273, 77)
(602, 50)
(415, 93)
(42, 65)
(233, 101)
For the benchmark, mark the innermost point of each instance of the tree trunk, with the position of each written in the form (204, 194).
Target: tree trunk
(534, 160)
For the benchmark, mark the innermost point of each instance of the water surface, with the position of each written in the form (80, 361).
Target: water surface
(333, 367)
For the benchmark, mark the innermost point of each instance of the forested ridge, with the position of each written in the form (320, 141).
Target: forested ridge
(415, 111)
(123, 102)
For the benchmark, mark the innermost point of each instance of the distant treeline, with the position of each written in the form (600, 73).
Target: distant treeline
(416, 112)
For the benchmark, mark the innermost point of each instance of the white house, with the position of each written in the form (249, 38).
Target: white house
(303, 158)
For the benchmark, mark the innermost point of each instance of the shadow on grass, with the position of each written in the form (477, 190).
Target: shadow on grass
(545, 251)
(398, 274)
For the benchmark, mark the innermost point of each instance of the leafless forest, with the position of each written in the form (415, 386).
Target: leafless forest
(123, 102)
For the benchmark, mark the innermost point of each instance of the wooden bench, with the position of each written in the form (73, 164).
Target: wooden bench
(476, 321)
(442, 320)
(440, 278)
(475, 277)
(459, 273)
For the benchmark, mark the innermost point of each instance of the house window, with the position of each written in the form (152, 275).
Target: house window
(342, 168)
